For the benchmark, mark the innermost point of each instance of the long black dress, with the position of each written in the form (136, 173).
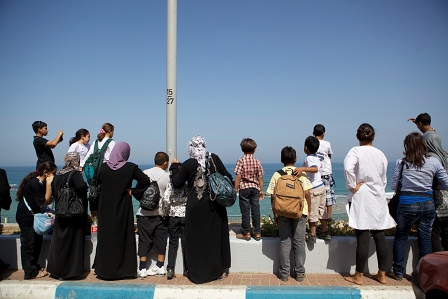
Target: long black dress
(207, 245)
(116, 254)
(66, 258)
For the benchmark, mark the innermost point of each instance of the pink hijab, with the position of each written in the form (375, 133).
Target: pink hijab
(119, 155)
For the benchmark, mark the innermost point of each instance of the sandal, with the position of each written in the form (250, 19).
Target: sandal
(224, 275)
(42, 273)
(257, 237)
(243, 237)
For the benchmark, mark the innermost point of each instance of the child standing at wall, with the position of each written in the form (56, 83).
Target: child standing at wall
(292, 231)
(312, 166)
(324, 153)
(43, 146)
(249, 183)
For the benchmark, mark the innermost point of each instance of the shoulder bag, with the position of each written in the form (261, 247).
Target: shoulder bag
(221, 188)
(393, 203)
(68, 203)
(44, 221)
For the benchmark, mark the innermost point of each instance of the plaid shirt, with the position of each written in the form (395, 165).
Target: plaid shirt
(250, 170)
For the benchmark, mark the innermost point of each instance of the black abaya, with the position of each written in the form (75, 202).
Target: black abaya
(207, 245)
(66, 258)
(116, 255)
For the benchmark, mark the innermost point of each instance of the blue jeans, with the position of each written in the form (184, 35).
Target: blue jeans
(422, 214)
(292, 231)
(250, 204)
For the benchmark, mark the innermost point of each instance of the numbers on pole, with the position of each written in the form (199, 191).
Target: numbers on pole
(169, 96)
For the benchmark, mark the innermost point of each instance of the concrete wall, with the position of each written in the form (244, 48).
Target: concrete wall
(335, 256)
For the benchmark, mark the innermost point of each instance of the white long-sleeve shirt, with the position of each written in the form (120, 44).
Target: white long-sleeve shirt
(368, 209)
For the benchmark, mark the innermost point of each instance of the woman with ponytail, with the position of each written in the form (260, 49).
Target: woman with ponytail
(36, 190)
(105, 133)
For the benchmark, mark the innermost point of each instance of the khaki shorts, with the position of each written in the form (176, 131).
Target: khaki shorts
(318, 204)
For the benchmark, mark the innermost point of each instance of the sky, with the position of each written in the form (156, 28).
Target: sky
(268, 70)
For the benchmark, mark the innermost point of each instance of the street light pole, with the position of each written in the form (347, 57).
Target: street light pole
(171, 79)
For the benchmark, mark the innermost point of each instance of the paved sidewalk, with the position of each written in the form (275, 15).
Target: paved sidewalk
(235, 286)
(234, 279)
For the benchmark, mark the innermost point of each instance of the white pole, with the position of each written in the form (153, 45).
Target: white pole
(171, 79)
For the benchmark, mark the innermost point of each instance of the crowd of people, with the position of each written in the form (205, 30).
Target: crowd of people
(186, 210)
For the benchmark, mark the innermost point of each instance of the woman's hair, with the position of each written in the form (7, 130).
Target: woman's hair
(248, 145)
(415, 149)
(365, 133)
(107, 128)
(43, 168)
(79, 134)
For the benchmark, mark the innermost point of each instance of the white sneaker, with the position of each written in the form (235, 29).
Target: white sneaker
(156, 271)
(142, 273)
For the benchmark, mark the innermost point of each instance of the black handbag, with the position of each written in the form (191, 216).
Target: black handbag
(68, 203)
(393, 203)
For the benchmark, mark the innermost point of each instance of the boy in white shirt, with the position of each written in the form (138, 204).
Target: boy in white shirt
(312, 166)
(324, 153)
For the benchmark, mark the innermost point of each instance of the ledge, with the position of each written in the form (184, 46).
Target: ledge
(335, 256)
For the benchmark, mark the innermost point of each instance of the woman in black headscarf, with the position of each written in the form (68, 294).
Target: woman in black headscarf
(66, 258)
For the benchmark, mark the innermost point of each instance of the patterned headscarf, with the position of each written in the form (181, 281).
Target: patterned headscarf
(198, 150)
(71, 161)
(119, 155)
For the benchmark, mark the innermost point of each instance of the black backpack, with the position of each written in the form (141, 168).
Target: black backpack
(151, 197)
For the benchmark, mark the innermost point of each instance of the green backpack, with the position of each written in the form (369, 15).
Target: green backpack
(95, 160)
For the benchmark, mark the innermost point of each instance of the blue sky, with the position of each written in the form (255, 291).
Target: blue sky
(269, 70)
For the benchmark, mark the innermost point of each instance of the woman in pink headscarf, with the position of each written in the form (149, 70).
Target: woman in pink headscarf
(115, 252)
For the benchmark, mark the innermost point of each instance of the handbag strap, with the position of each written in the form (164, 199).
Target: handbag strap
(213, 162)
(26, 203)
(401, 174)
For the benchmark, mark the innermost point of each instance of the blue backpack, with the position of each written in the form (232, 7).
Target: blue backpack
(94, 160)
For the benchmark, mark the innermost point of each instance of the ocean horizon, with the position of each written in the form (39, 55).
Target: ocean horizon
(17, 173)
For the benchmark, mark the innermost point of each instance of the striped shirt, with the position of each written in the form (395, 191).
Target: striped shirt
(250, 170)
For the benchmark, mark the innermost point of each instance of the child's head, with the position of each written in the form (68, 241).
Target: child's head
(311, 145)
(424, 119)
(81, 134)
(40, 125)
(365, 133)
(288, 156)
(319, 130)
(161, 160)
(248, 145)
(107, 128)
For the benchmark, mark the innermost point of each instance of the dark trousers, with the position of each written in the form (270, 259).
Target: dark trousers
(176, 228)
(362, 248)
(439, 235)
(250, 205)
(30, 247)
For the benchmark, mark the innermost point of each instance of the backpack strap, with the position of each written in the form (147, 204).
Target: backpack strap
(281, 172)
(95, 147)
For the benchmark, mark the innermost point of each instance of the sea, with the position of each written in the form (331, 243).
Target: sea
(17, 173)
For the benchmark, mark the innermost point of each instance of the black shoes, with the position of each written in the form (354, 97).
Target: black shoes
(170, 274)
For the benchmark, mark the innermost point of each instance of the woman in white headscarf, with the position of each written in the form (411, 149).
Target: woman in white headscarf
(207, 245)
